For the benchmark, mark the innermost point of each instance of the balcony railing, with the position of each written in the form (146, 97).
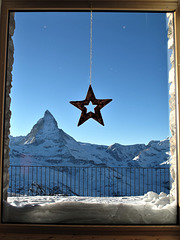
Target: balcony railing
(87, 181)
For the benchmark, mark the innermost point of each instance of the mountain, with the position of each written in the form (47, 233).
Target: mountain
(66, 165)
(46, 144)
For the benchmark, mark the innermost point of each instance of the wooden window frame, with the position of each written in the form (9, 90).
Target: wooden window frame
(126, 232)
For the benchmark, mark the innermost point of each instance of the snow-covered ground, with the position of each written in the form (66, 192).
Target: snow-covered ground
(152, 208)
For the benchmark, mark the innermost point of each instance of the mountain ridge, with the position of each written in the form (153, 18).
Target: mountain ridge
(46, 144)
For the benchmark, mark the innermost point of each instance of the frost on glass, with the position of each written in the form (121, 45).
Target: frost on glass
(122, 173)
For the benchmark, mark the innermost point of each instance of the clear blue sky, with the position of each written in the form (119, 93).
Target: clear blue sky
(130, 65)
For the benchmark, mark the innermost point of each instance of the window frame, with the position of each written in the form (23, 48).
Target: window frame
(86, 231)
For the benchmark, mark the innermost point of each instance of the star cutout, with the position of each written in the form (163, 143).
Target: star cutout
(96, 115)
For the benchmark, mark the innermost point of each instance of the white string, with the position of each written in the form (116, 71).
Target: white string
(91, 49)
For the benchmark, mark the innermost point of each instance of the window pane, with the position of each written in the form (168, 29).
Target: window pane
(121, 173)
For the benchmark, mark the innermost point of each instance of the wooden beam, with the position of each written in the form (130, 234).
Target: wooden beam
(3, 54)
(89, 232)
(177, 65)
(140, 5)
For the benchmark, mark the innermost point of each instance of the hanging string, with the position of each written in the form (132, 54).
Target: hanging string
(91, 49)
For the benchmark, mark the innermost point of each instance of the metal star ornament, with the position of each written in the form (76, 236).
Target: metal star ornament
(96, 115)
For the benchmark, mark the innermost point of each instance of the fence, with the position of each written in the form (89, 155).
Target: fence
(87, 181)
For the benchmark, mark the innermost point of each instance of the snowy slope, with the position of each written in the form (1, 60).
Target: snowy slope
(46, 144)
(155, 153)
(150, 208)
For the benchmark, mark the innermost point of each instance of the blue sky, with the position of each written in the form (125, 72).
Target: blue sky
(130, 65)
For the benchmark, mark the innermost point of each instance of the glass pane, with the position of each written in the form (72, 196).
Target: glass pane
(121, 173)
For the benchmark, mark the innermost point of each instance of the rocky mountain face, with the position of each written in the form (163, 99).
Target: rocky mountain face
(46, 145)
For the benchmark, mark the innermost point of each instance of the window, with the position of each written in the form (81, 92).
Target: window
(49, 162)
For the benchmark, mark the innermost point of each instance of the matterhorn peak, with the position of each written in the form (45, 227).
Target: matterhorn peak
(48, 113)
(45, 128)
(49, 122)
(48, 117)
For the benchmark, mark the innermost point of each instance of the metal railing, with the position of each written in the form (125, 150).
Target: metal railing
(87, 181)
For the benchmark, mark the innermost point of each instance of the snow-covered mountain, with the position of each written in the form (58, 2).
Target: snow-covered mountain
(46, 144)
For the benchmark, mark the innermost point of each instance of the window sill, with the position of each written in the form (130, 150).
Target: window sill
(15, 231)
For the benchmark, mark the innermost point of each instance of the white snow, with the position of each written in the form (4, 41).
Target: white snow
(148, 209)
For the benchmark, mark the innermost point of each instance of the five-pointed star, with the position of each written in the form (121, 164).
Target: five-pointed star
(90, 97)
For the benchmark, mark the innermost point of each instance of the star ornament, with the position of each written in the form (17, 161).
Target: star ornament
(96, 115)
